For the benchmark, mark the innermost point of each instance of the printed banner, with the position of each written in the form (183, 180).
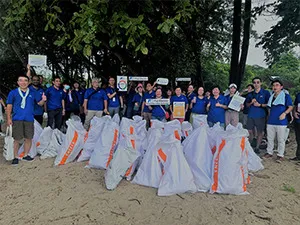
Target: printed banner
(122, 83)
(178, 109)
(162, 101)
(37, 60)
(138, 78)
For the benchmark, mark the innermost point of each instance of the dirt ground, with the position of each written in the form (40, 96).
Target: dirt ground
(38, 193)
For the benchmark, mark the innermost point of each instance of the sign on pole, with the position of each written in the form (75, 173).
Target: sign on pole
(37, 60)
(138, 78)
(122, 83)
(186, 79)
(162, 81)
(162, 101)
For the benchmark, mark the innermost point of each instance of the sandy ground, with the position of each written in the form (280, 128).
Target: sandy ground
(38, 193)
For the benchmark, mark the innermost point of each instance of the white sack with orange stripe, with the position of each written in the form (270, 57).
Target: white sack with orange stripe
(122, 160)
(44, 140)
(73, 142)
(94, 133)
(230, 169)
(55, 145)
(199, 120)
(186, 129)
(199, 156)
(37, 133)
(105, 146)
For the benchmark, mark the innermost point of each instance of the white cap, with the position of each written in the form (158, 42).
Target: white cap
(233, 85)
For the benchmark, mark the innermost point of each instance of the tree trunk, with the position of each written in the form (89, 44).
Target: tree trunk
(235, 48)
(246, 37)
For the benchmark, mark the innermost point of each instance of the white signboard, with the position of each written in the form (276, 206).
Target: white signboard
(122, 83)
(187, 79)
(37, 60)
(236, 102)
(162, 81)
(138, 78)
(162, 101)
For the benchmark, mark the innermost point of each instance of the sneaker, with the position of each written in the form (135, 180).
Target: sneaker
(294, 159)
(28, 158)
(267, 155)
(279, 159)
(15, 162)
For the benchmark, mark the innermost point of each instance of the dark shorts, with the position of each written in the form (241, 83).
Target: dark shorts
(22, 129)
(259, 123)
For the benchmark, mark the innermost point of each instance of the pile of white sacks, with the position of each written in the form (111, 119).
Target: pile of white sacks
(172, 157)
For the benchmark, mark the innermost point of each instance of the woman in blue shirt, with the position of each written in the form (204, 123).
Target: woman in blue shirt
(138, 100)
(198, 104)
(158, 111)
(178, 97)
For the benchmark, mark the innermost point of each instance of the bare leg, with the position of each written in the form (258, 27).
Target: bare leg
(27, 146)
(16, 148)
(260, 136)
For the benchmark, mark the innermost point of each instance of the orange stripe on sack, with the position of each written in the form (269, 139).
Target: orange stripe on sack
(87, 134)
(133, 143)
(216, 166)
(244, 183)
(177, 136)
(162, 155)
(243, 145)
(128, 171)
(131, 130)
(38, 144)
(22, 154)
(111, 152)
(213, 150)
(186, 133)
(70, 149)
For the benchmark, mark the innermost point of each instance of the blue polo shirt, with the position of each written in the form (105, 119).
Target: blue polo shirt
(148, 95)
(180, 98)
(296, 102)
(190, 97)
(262, 97)
(217, 114)
(54, 98)
(139, 99)
(157, 111)
(200, 106)
(277, 110)
(78, 96)
(38, 110)
(19, 114)
(95, 101)
(115, 101)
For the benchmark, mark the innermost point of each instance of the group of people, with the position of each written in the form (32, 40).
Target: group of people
(264, 112)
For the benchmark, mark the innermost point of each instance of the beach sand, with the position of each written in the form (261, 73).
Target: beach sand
(39, 193)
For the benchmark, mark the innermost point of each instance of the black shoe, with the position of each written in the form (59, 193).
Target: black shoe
(257, 151)
(15, 162)
(294, 159)
(28, 158)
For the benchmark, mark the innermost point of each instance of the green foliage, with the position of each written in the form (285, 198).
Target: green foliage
(288, 188)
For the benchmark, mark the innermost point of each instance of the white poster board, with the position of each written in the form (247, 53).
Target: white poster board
(37, 60)
(162, 81)
(138, 78)
(236, 102)
(162, 101)
(178, 109)
(122, 83)
(186, 79)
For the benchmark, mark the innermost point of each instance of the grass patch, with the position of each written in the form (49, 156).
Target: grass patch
(288, 188)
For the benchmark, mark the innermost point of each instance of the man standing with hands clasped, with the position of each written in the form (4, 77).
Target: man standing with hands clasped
(280, 104)
(20, 114)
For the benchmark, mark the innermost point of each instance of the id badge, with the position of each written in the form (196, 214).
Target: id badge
(114, 99)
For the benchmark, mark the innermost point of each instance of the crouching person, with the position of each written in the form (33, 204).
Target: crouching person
(280, 104)
(20, 114)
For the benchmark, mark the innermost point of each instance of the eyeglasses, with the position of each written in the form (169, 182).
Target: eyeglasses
(256, 82)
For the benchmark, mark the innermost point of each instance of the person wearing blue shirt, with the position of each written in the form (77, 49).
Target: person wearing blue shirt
(158, 111)
(2, 104)
(190, 96)
(198, 104)
(249, 89)
(138, 100)
(296, 113)
(36, 87)
(130, 94)
(115, 101)
(55, 104)
(216, 107)
(78, 99)
(20, 114)
(280, 104)
(231, 115)
(178, 97)
(95, 102)
(257, 103)
(146, 112)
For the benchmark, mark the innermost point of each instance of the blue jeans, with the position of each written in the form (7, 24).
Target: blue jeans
(211, 124)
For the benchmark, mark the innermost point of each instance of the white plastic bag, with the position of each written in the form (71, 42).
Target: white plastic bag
(199, 120)
(72, 144)
(44, 140)
(8, 150)
(33, 150)
(94, 133)
(186, 129)
(55, 145)
(199, 156)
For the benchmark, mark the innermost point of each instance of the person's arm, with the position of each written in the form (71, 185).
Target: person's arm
(28, 74)
(8, 114)
(221, 105)
(143, 105)
(105, 107)
(63, 107)
(286, 112)
(42, 102)
(85, 106)
(111, 95)
(121, 102)
(3, 104)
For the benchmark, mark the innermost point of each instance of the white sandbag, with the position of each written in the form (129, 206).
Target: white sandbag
(8, 149)
(122, 159)
(157, 124)
(172, 130)
(254, 161)
(199, 156)
(199, 120)
(186, 129)
(105, 146)
(213, 134)
(44, 140)
(94, 133)
(177, 177)
(137, 118)
(229, 170)
(150, 172)
(116, 118)
(55, 145)
(73, 143)
(33, 150)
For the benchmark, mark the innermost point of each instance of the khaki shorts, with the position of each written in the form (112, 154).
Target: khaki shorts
(22, 129)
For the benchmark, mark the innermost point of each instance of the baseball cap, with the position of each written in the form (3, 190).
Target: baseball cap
(232, 85)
